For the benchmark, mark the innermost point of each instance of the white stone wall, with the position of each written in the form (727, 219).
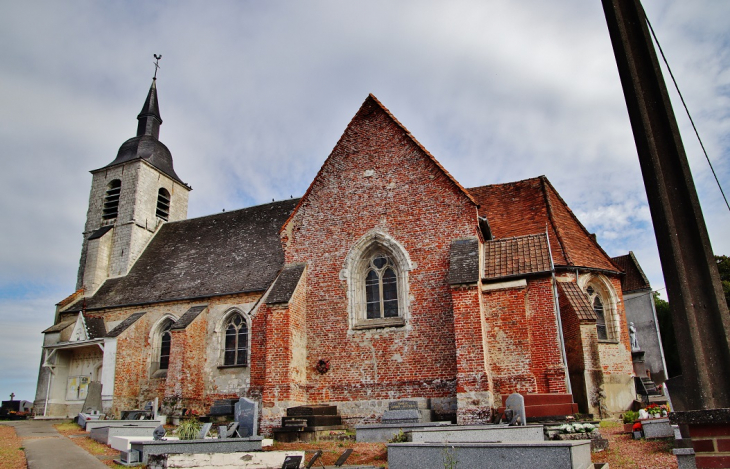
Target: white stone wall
(136, 220)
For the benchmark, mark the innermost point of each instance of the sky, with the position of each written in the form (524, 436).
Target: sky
(254, 95)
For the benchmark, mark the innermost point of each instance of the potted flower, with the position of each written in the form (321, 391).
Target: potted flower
(654, 410)
(630, 417)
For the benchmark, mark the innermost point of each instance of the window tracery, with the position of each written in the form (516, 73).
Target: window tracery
(236, 341)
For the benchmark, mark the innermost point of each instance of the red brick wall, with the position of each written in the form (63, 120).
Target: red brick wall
(412, 200)
(524, 346)
(185, 375)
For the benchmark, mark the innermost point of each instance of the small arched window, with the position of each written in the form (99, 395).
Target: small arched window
(111, 200)
(163, 204)
(604, 317)
(600, 319)
(236, 341)
(381, 288)
(165, 343)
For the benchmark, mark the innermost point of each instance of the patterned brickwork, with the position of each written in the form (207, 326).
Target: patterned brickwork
(379, 179)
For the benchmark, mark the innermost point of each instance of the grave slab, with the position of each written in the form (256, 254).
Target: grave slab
(92, 424)
(381, 433)
(247, 460)
(123, 443)
(515, 455)
(478, 433)
(103, 434)
(225, 445)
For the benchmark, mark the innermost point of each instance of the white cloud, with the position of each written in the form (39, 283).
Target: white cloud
(254, 96)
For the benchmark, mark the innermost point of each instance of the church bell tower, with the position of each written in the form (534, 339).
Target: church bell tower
(130, 199)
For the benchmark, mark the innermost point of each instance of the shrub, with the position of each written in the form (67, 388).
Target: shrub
(188, 429)
(630, 416)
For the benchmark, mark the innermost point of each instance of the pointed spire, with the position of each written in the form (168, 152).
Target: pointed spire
(149, 118)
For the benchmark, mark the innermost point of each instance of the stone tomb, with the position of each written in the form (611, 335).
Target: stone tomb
(478, 433)
(225, 445)
(494, 455)
(309, 423)
(92, 424)
(103, 434)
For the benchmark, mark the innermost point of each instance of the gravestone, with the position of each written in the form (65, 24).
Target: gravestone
(403, 405)
(159, 433)
(93, 398)
(246, 413)
(292, 462)
(204, 431)
(404, 411)
(515, 409)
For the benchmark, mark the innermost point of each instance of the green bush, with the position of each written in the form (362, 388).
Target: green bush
(399, 437)
(188, 429)
(630, 416)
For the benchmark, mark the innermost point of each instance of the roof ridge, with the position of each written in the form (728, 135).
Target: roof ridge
(549, 208)
(231, 211)
(506, 183)
(575, 218)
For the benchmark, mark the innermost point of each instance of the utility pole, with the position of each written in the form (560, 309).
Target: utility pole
(699, 312)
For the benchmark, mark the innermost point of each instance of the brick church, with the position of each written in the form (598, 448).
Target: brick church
(386, 280)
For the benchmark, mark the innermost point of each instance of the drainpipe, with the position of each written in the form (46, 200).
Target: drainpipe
(557, 314)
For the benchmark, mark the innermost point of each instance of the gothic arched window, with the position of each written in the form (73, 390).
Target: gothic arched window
(165, 342)
(381, 288)
(600, 299)
(111, 200)
(236, 341)
(163, 204)
(376, 270)
(162, 345)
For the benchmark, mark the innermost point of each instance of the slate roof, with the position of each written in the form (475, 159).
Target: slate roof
(634, 280)
(188, 317)
(60, 326)
(230, 252)
(95, 327)
(124, 325)
(572, 298)
(285, 285)
(518, 256)
(529, 207)
(464, 261)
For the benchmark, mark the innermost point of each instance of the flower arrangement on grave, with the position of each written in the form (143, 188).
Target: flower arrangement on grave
(656, 410)
(577, 428)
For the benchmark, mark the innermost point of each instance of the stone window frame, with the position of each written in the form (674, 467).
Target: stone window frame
(223, 326)
(357, 265)
(158, 330)
(603, 289)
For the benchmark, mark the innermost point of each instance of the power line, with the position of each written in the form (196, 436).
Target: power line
(676, 86)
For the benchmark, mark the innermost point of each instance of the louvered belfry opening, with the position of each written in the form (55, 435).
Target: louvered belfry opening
(111, 200)
(163, 204)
